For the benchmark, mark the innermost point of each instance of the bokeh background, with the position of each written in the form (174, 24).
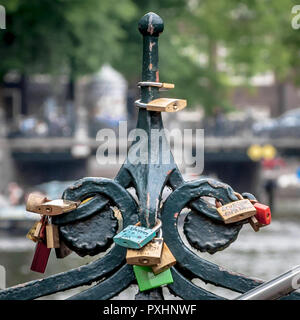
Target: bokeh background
(69, 68)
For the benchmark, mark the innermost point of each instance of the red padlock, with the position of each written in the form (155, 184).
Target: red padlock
(263, 213)
(42, 253)
(40, 259)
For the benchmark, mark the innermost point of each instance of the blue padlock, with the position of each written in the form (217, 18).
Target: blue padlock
(135, 236)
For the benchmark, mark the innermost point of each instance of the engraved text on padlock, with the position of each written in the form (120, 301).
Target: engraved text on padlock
(135, 237)
(236, 211)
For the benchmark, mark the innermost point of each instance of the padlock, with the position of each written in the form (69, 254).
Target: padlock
(33, 201)
(39, 227)
(149, 255)
(163, 105)
(42, 233)
(263, 213)
(147, 280)
(52, 236)
(236, 211)
(262, 217)
(35, 229)
(56, 207)
(41, 205)
(135, 237)
(41, 256)
(167, 260)
(63, 251)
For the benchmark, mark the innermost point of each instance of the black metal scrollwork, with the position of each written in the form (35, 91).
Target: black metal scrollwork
(89, 229)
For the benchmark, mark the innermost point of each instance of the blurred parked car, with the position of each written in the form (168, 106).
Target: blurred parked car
(287, 125)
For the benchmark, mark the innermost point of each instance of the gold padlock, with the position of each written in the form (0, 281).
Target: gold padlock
(237, 210)
(56, 207)
(34, 200)
(52, 236)
(163, 105)
(149, 255)
(167, 260)
(33, 233)
(37, 230)
(40, 204)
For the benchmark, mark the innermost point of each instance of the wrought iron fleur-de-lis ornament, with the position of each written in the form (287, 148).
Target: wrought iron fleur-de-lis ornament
(90, 228)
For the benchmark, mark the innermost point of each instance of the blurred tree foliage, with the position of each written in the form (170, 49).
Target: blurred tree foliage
(55, 36)
(205, 43)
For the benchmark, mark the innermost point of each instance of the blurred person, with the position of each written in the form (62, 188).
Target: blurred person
(27, 126)
(41, 129)
(15, 194)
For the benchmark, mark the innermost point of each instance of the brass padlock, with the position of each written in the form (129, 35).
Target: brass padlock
(56, 207)
(52, 236)
(163, 105)
(40, 204)
(166, 262)
(38, 230)
(149, 255)
(33, 201)
(33, 233)
(236, 211)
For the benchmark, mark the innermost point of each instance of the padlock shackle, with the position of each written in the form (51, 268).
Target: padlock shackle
(163, 86)
(159, 233)
(239, 196)
(155, 228)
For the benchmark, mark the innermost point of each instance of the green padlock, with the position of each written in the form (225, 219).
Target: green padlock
(146, 279)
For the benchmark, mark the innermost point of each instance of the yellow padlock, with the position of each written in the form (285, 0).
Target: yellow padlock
(163, 105)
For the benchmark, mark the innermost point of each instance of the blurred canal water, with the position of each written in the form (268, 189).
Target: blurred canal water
(266, 254)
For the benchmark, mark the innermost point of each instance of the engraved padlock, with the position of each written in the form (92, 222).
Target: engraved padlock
(135, 236)
(237, 210)
(166, 262)
(149, 255)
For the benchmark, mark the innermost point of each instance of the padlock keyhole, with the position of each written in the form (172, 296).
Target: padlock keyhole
(145, 261)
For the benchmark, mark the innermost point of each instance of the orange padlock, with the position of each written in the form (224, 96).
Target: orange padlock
(263, 213)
